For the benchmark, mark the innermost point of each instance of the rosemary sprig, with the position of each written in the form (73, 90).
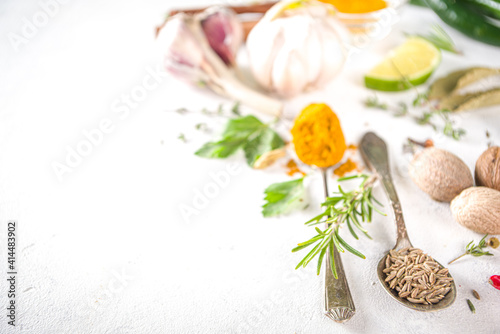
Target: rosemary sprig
(349, 207)
(474, 250)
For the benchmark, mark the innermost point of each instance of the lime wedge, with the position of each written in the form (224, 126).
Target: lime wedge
(411, 63)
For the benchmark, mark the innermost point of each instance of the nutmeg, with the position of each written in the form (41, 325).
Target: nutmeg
(478, 209)
(487, 172)
(440, 174)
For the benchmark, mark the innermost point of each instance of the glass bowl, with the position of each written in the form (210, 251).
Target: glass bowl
(366, 28)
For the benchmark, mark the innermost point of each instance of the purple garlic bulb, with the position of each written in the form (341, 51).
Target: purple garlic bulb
(194, 54)
(224, 32)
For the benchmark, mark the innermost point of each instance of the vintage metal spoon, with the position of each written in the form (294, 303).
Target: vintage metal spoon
(339, 305)
(374, 152)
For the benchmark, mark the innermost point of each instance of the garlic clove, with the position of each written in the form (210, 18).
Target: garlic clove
(302, 37)
(262, 46)
(333, 56)
(288, 73)
(223, 31)
(314, 54)
(179, 43)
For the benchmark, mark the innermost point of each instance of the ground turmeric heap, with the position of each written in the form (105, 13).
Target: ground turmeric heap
(318, 137)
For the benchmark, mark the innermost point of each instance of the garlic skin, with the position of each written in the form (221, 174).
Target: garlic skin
(223, 31)
(183, 55)
(296, 46)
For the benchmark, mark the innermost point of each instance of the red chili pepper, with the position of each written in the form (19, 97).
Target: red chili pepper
(495, 281)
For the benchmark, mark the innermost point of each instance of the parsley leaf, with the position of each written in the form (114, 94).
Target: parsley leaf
(247, 133)
(284, 197)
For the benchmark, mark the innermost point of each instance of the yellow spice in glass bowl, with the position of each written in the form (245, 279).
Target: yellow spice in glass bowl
(367, 20)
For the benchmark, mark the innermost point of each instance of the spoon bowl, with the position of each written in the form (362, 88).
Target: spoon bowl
(374, 152)
(448, 299)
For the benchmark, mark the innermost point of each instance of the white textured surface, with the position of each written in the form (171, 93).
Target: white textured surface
(228, 270)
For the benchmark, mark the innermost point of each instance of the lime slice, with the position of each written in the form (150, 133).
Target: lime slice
(411, 63)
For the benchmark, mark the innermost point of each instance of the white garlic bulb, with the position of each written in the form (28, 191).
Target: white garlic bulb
(296, 46)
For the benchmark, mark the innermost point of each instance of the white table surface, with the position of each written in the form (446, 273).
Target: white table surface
(106, 250)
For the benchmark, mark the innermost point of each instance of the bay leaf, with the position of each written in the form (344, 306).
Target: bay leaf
(452, 102)
(480, 100)
(473, 75)
(445, 85)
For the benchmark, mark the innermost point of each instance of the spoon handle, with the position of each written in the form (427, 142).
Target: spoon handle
(339, 305)
(374, 152)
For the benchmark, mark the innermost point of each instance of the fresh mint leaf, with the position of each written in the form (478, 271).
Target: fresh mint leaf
(281, 198)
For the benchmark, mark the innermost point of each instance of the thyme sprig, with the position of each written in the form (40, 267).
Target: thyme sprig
(373, 102)
(444, 124)
(475, 250)
(349, 207)
(448, 129)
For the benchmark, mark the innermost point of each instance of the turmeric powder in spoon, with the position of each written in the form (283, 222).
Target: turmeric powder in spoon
(318, 137)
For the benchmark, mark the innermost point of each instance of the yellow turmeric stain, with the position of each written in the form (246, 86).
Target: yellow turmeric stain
(318, 137)
(357, 6)
(292, 168)
(345, 168)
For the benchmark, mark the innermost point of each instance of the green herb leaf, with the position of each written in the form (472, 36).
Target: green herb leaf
(220, 149)
(281, 198)
(247, 133)
(264, 140)
(242, 126)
